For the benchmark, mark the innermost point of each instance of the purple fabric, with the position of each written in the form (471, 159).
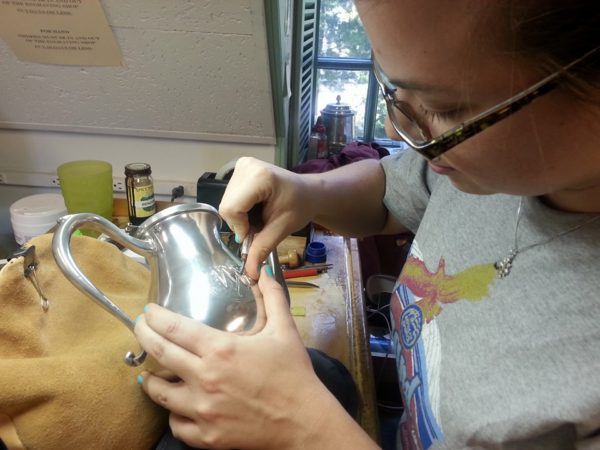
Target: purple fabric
(355, 151)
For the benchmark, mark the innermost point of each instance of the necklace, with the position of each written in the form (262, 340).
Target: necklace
(504, 266)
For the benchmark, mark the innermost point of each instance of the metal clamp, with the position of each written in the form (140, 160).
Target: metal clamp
(29, 266)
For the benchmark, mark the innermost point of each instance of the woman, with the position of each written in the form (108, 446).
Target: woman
(496, 311)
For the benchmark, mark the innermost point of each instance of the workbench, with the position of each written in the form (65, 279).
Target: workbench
(334, 319)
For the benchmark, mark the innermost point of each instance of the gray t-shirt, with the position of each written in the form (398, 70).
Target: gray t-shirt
(484, 362)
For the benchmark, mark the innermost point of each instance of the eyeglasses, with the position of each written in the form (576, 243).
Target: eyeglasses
(416, 134)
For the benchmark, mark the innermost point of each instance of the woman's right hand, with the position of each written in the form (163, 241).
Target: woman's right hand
(286, 206)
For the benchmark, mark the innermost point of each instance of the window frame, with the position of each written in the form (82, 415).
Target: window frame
(301, 110)
(353, 64)
(373, 92)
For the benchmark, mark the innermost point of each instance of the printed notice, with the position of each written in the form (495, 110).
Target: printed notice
(71, 32)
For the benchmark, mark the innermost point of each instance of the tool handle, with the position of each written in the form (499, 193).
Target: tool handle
(291, 259)
(300, 273)
(255, 217)
(255, 222)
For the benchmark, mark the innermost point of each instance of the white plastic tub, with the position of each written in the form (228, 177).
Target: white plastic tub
(35, 215)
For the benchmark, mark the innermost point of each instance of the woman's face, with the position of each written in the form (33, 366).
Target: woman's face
(445, 57)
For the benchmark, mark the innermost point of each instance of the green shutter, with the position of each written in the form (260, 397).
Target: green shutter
(304, 53)
(293, 113)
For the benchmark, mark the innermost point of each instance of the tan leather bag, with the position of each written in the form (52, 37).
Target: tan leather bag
(63, 382)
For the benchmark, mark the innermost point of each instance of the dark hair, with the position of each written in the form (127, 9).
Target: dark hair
(555, 33)
(551, 34)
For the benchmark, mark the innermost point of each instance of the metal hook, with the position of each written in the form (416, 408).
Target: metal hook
(133, 360)
(29, 266)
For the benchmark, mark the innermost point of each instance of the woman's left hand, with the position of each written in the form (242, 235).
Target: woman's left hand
(234, 391)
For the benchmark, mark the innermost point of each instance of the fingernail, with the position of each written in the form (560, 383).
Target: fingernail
(140, 379)
(237, 239)
(269, 271)
(138, 318)
(145, 308)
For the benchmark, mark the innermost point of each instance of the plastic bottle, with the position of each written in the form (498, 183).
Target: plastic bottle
(317, 143)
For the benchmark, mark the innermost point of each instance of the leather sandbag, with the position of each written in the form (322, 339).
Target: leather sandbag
(63, 382)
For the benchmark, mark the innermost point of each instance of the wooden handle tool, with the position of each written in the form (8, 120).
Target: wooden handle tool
(291, 259)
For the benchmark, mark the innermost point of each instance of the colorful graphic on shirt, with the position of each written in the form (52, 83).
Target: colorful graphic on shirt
(419, 298)
(437, 288)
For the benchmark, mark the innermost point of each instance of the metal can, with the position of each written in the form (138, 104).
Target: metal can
(339, 124)
(140, 192)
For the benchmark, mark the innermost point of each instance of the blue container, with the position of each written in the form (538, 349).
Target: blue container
(315, 252)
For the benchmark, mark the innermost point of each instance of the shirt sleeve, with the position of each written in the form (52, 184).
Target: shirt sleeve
(408, 187)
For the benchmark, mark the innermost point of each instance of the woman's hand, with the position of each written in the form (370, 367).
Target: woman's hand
(286, 206)
(234, 391)
(347, 200)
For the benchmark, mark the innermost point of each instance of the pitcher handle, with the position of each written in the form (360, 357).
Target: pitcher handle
(61, 248)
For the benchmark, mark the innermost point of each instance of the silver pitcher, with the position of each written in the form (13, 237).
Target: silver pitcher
(192, 271)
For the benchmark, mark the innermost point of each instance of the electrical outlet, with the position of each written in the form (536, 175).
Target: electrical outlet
(54, 182)
(118, 185)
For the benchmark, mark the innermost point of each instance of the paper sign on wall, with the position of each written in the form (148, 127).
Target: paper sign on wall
(71, 32)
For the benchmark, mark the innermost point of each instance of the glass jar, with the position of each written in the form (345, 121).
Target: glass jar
(140, 192)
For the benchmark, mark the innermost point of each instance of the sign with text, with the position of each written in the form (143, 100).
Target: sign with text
(69, 32)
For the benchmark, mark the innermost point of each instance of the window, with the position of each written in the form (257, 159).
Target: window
(331, 56)
(343, 67)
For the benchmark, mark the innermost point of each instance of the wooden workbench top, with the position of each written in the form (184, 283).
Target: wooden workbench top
(334, 320)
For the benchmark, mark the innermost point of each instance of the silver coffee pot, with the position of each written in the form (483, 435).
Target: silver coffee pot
(192, 271)
(339, 125)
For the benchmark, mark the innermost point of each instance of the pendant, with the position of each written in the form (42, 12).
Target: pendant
(504, 266)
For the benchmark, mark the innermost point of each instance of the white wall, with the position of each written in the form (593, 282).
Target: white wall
(174, 162)
(193, 94)
(196, 70)
(181, 161)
